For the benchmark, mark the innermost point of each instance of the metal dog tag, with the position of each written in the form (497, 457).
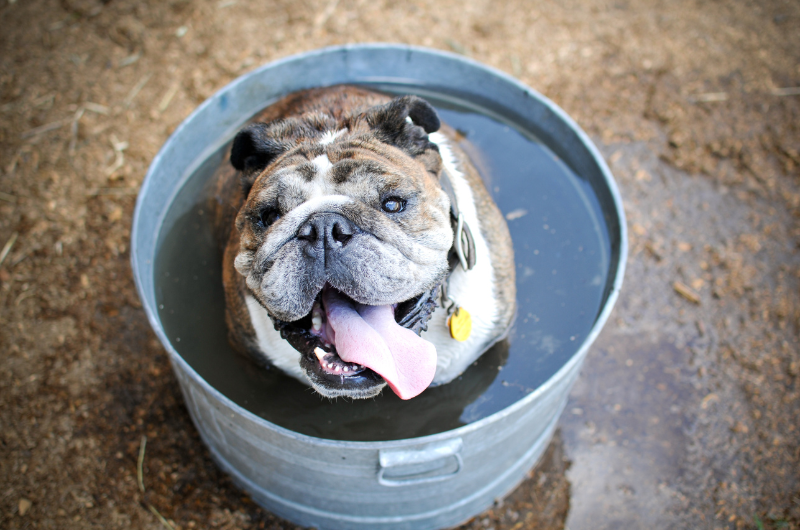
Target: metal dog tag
(460, 324)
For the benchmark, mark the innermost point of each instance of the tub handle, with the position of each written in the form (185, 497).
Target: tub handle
(421, 463)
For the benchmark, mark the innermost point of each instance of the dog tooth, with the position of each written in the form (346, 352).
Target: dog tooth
(346, 368)
(316, 319)
(320, 353)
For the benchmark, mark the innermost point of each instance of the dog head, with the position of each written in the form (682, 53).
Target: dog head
(344, 237)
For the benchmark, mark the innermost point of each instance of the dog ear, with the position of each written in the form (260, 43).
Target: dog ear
(405, 122)
(254, 148)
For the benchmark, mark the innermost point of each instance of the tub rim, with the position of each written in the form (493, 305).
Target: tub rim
(177, 359)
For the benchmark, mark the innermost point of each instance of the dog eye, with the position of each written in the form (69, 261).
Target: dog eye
(393, 205)
(268, 217)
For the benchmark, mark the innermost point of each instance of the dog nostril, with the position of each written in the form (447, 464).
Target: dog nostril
(307, 232)
(341, 233)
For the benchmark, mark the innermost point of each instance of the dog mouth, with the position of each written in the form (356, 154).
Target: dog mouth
(352, 349)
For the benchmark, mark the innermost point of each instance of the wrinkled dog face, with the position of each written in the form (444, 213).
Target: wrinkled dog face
(347, 211)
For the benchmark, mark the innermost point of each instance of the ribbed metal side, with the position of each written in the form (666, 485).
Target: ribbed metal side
(335, 485)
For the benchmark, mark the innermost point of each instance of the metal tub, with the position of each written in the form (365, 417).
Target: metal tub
(418, 483)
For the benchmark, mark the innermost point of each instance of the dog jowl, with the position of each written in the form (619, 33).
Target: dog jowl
(342, 266)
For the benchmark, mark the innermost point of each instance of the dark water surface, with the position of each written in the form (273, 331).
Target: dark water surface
(562, 254)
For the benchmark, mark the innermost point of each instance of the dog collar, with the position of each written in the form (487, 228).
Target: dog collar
(463, 250)
(459, 321)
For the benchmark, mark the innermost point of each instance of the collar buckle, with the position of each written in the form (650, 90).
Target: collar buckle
(463, 250)
(464, 244)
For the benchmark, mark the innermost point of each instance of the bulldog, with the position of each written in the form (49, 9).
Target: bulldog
(360, 246)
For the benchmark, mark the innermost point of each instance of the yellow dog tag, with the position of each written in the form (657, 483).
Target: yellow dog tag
(460, 324)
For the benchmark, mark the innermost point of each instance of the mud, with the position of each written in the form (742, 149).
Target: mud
(687, 410)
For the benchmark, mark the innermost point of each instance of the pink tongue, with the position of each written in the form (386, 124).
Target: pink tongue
(370, 336)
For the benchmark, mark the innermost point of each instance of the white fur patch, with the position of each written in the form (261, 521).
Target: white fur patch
(323, 165)
(319, 186)
(277, 350)
(319, 203)
(329, 136)
(473, 290)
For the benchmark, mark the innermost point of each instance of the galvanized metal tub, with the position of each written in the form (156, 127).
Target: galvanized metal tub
(418, 483)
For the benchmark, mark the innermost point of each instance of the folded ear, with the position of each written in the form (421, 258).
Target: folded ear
(254, 148)
(405, 123)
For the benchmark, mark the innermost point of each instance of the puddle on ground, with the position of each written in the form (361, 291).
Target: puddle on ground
(624, 430)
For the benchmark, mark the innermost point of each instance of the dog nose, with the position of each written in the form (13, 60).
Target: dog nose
(330, 230)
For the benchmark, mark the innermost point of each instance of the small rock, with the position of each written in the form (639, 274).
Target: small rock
(684, 290)
(115, 214)
(23, 506)
(740, 428)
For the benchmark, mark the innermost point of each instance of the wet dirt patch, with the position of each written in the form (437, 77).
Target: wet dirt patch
(626, 429)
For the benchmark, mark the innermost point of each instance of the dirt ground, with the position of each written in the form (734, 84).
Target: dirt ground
(687, 412)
